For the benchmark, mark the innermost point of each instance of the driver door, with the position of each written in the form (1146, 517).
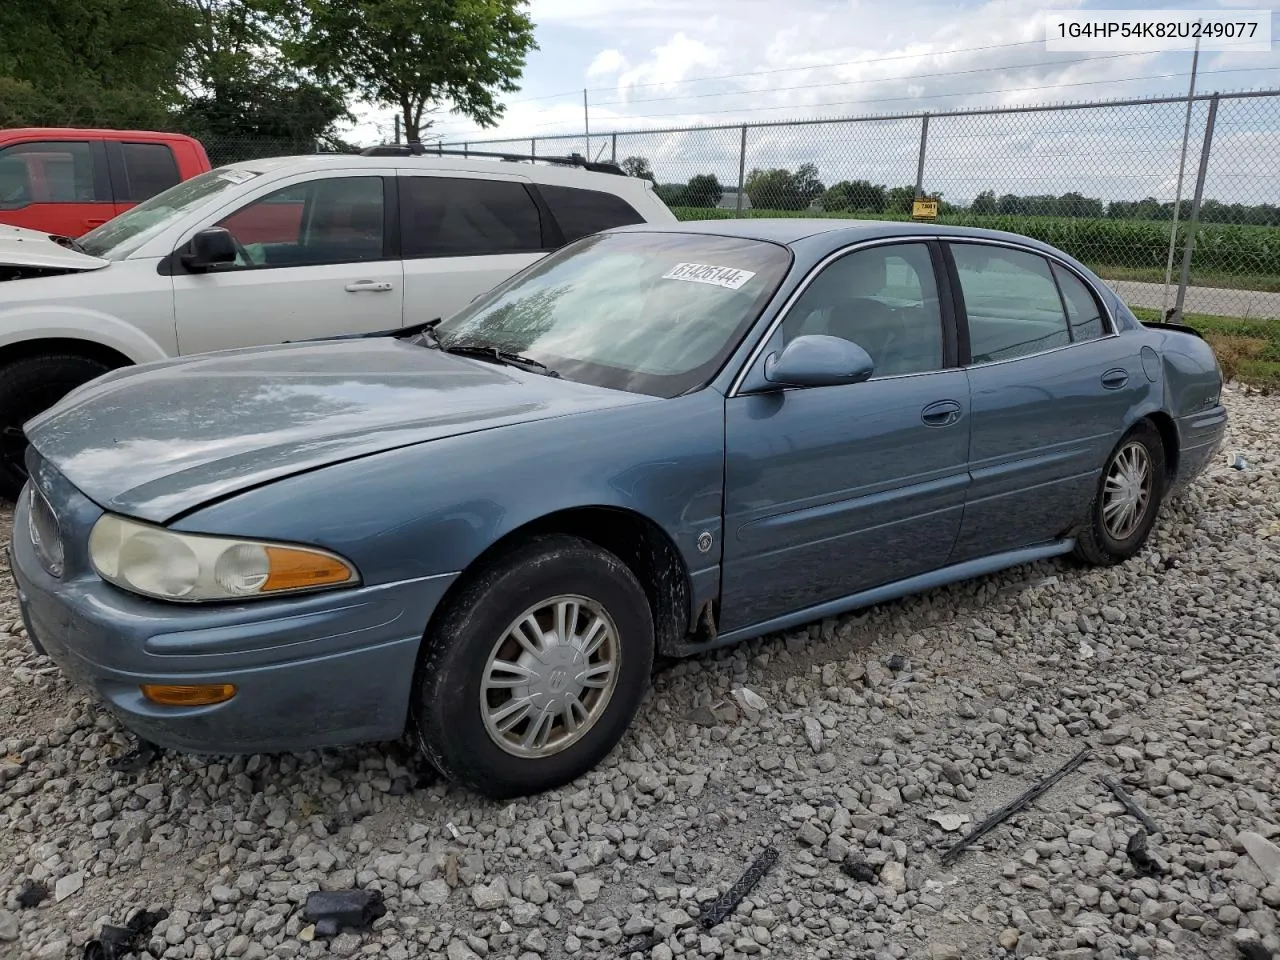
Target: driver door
(833, 490)
(318, 258)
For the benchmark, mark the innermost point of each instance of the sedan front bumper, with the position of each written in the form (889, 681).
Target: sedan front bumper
(310, 671)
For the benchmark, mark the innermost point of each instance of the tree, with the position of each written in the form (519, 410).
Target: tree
(638, 167)
(92, 62)
(984, 204)
(418, 56)
(781, 189)
(703, 190)
(900, 200)
(672, 194)
(1009, 204)
(244, 98)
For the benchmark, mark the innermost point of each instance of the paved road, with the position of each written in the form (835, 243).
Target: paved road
(1227, 303)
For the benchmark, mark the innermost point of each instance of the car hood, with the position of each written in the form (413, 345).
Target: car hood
(20, 247)
(156, 441)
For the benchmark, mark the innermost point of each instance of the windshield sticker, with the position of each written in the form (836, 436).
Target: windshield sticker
(237, 176)
(704, 273)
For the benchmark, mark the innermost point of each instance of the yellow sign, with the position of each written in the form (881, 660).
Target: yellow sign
(924, 209)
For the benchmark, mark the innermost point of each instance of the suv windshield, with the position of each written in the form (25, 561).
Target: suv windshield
(120, 236)
(653, 313)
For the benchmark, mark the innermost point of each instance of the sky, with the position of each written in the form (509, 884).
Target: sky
(650, 64)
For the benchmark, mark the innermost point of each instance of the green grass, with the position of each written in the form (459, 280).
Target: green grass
(1248, 350)
(1238, 257)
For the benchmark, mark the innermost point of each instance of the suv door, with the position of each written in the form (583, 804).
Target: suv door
(317, 258)
(1051, 387)
(55, 186)
(830, 491)
(461, 235)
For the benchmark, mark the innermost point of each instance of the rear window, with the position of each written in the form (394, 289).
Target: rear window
(458, 217)
(149, 168)
(581, 213)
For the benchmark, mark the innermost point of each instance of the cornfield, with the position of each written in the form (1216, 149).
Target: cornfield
(1222, 249)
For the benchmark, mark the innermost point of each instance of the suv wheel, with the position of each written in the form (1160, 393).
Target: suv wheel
(28, 387)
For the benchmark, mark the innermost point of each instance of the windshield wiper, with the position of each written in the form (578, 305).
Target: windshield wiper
(481, 352)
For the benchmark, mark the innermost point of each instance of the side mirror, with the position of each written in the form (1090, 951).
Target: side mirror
(208, 248)
(818, 360)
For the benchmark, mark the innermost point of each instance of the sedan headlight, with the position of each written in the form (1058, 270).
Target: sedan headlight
(191, 567)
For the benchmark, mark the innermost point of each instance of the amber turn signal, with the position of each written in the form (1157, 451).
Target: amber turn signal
(290, 569)
(194, 695)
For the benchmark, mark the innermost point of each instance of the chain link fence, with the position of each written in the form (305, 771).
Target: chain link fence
(1098, 180)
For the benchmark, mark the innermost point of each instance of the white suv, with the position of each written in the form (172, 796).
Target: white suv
(283, 249)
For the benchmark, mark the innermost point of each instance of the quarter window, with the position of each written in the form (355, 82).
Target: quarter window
(885, 299)
(457, 217)
(337, 220)
(581, 213)
(1011, 302)
(55, 171)
(148, 169)
(1083, 312)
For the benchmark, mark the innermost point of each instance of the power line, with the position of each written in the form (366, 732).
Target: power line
(846, 83)
(761, 73)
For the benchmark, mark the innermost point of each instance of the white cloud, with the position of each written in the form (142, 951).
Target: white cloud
(670, 63)
(607, 63)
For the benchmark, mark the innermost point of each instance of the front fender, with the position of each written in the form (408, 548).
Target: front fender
(433, 508)
(34, 322)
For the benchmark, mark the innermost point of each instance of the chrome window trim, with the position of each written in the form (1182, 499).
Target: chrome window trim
(822, 264)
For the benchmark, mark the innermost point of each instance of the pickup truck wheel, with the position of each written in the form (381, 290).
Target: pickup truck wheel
(535, 669)
(27, 387)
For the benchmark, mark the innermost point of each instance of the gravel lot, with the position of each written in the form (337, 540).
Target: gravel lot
(949, 703)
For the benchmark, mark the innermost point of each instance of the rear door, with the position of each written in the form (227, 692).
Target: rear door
(55, 186)
(1051, 388)
(462, 235)
(318, 258)
(139, 171)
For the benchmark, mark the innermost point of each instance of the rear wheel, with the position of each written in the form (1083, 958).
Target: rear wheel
(535, 669)
(27, 387)
(1127, 500)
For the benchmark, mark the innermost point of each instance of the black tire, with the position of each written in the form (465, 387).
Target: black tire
(446, 713)
(30, 386)
(1096, 544)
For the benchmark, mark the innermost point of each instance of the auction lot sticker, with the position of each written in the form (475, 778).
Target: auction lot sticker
(705, 273)
(1085, 30)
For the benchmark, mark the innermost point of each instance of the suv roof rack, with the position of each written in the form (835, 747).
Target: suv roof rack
(419, 150)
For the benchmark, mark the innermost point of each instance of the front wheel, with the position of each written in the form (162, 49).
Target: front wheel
(1127, 500)
(535, 669)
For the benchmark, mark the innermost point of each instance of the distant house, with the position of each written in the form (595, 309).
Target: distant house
(729, 201)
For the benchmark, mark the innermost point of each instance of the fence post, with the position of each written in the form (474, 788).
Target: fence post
(465, 147)
(924, 139)
(397, 139)
(613, 150)
(742, 168)
(533, 146)
(1194, 220)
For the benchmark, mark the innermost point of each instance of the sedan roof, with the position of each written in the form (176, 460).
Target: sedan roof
(818, 235)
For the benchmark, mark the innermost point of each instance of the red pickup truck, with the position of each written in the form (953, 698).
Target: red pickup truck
(66, 181)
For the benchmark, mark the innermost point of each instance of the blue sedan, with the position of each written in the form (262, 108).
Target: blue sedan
(659, 440)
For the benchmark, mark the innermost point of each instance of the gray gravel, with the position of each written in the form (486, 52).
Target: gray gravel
(1169, 666)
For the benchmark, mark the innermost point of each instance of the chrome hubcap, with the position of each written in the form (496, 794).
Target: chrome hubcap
(1127, 491)
(550, 676)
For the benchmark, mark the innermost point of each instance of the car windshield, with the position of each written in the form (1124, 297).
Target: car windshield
(122, 235)
(653, 313)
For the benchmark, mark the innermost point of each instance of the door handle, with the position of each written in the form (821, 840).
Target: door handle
(96, 222)
(368, 286)
(940, 414)
(1115, 379)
